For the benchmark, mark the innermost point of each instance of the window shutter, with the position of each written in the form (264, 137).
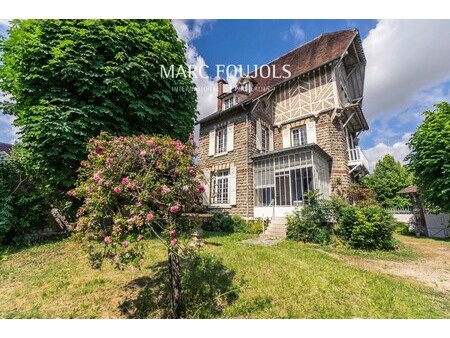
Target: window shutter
(311, 132)
(212, 142)
(232, 185)
(258, 135)
(230, 137)
(206, 194)
(271, 147)
(286, 137)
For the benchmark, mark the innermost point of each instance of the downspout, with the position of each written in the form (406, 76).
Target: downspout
(247, 157)
(247, 164)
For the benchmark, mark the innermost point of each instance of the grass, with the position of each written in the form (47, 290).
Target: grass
(401, 252)
(288, 280)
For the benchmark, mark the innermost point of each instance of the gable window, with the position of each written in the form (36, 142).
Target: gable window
(298, 136)
(220, 187)
(245, 87)
(228, 103)
(264, 139)
(221, 140)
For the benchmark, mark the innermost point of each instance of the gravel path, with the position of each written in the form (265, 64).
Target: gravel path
(432, 268)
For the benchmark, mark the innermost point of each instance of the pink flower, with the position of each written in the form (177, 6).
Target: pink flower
(201, 188)
(140, 238)
(132, 220)
(117, 190)
(174, 209)
(125, 180)
(71, 193)
(165, 189)
(125, 244)
(172, 233)
(141, 261)
(100, 181)
(179, 146)
(150, 142)
(173, 242)
(108, 183)
(142, 153)
(107, 240)
(83, 163)
(149, 217)
(97, 176)
(191, 137)
(99, 149)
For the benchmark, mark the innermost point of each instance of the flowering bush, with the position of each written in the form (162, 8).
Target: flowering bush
(132, 187)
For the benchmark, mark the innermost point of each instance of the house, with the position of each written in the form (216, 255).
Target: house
(5, 150)
(273, 138)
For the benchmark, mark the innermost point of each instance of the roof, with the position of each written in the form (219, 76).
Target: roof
(307, 57)
(412, 189)
(303, 59)
(5, 147)
(286, 151)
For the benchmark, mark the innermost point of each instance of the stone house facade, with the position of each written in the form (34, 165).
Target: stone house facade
(273, 138)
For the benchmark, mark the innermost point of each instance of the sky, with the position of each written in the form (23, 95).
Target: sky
(408, 67)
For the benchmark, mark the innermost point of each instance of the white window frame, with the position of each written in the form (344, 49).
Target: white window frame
(221, 140)
(302, 136)
(221, 188)
(228, 102)
(265, 139)
(245, 87)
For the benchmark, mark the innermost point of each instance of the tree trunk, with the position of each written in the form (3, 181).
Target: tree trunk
(175, 282)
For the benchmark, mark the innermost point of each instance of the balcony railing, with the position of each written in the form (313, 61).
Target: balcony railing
(357, 157)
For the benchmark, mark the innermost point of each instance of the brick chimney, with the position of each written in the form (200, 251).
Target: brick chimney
(220, 84)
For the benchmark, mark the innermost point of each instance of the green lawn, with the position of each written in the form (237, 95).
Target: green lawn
(288, 280)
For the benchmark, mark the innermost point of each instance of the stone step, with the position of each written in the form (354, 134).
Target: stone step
(273, 236)
(276, 231)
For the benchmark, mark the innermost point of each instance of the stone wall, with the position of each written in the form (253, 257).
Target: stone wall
(236, 158)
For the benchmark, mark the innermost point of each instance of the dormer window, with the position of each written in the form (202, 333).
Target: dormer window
(245, 87)
(228, 103)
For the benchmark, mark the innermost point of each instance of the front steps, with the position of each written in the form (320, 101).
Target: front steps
(276, 229)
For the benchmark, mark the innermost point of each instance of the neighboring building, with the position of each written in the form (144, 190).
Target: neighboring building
(272, 139)
(5, 150)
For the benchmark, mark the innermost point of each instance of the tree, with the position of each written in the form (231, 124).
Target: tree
(67, 80)
(132, 188)
(388, 178)
(429, 159)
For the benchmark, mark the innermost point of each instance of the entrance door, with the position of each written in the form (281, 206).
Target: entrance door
(282, 188)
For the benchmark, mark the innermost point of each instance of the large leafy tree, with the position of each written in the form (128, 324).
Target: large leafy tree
(389, 177)
(430, 156)
(67, 80)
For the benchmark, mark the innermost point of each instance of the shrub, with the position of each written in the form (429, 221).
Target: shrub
(221, 222)
(312, 223)
(132, 187)
(256, 226)
(23, 207)
(369, 228)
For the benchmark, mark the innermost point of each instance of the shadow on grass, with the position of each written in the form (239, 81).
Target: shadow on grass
(207, 288)
(25, 245)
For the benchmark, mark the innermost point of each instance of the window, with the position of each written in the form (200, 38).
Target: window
(220, 189)
(245, 87)
(299, 136)
(228, 103)
(221, 140)
(264, 139)
(286, 179)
